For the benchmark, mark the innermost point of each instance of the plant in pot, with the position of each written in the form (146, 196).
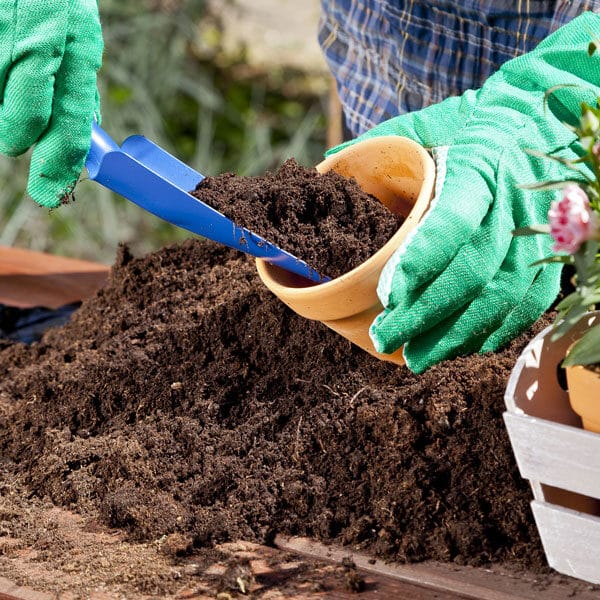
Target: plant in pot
(574, 224)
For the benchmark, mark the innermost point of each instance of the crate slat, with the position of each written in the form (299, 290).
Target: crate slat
(571, 540)
(555, 454)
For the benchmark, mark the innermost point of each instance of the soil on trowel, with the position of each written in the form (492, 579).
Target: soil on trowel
(184, 399)
(324, 219)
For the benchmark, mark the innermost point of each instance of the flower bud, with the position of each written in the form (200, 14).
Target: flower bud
(589, 122)
(572, 221)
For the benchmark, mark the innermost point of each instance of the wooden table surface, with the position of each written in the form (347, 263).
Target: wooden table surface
(30, 279)
(277, 567)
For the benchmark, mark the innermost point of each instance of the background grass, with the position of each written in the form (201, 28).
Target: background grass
(166, 77)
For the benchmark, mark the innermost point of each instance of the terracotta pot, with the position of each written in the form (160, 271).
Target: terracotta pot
(401, 174)
(584, 395)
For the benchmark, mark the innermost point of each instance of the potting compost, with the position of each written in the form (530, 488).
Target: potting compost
(324, 219)
(185, 399)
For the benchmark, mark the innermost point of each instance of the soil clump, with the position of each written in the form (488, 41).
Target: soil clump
(185, 400)
(324, 219)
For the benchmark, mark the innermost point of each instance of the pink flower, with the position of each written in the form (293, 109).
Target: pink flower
(571, 220)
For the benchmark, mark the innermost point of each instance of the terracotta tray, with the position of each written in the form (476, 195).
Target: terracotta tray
(29, 278)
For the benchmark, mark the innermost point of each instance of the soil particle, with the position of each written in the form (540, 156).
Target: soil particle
(324, 219)
(355, 582)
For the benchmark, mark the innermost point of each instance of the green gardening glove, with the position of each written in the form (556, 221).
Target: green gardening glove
(462, 282)
(50, 51)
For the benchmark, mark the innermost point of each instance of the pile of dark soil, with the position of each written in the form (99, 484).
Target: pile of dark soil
(324, 219)
(185, 399)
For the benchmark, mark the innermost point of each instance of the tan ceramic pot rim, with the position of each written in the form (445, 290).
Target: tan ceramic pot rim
(373, 263)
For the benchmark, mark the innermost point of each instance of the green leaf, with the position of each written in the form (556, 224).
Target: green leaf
(532, 230)
(563, 161)
(570, 301)
(585, 258)
(551, 185)
(570, 319)
(587, 349)
(555, 88)
(565, 259)
(592, 299)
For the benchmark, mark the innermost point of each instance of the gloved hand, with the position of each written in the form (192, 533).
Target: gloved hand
(462, 282)
(50, 51)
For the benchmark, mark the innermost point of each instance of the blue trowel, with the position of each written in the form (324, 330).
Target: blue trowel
(144, 173)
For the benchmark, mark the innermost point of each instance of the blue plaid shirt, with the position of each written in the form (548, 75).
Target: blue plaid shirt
(395, 56)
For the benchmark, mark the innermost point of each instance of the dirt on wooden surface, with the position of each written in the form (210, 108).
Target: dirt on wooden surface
(68, 556)
(185, 406)
(324, 219)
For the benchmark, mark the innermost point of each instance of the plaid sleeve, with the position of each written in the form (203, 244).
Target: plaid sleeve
(395, 56)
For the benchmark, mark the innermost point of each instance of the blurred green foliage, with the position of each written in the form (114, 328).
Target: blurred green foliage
(164, 76)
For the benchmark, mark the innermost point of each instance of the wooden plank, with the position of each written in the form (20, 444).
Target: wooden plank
(452, 581)
(571, 540)
(555, 454)
(29, 278)
(417, 575)
(10, 591)
(335, 135)
(282, 573)
(372, 585)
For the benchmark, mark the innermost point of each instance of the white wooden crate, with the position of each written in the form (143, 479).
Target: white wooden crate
(560, 460)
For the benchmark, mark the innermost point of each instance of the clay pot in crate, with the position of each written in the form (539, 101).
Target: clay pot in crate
(399, 173)
(558, 457)
(584, 394)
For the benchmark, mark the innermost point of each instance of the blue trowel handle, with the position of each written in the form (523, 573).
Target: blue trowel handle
(144, 173)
